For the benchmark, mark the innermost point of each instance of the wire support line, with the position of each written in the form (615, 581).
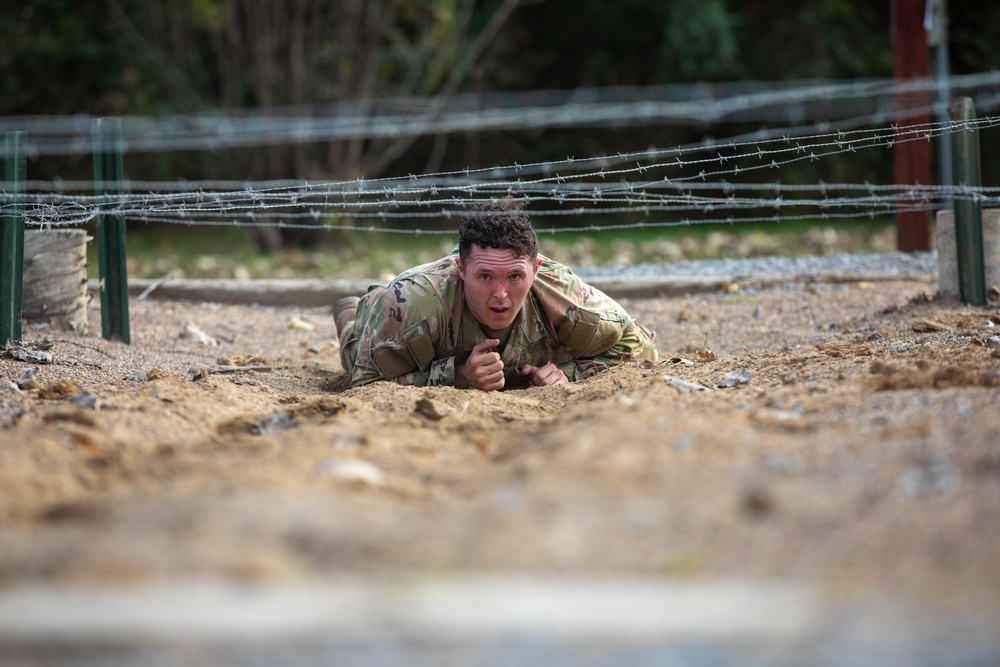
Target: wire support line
(276, 215)
(267, 214)
(593, 189)
(569, 189)
(729, 220)
(639, 199)
(467, 181)
(395, 118)
(355, 195)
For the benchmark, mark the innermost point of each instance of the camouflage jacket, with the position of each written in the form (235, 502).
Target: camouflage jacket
(417, 329)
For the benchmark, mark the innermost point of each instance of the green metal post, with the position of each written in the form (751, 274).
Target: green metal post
(968, 212)
(108, 149)
(12, 238)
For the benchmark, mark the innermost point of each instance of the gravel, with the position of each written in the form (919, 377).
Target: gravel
(891, 264)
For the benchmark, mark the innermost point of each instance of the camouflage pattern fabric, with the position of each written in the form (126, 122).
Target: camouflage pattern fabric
(416, 329)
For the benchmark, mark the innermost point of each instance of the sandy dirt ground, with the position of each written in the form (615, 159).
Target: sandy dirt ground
(858, 453)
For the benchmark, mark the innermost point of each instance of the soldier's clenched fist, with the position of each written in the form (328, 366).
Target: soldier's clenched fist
(544, 376)
(483, 370)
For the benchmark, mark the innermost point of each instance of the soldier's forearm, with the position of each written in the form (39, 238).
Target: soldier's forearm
(440, 372)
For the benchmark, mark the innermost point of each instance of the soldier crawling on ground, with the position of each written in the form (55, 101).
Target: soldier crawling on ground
(494, 315)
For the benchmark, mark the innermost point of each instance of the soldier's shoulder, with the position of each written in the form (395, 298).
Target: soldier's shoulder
(431, 278)
(418, 293)
(550, 265)
(556, 275)
(432, 272)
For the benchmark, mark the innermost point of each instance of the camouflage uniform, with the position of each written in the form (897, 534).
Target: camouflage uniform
(417, 329)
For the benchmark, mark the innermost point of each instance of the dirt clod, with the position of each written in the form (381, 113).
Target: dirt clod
(59, 389)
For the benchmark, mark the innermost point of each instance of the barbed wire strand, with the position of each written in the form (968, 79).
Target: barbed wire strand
(393, 118)
(589, 186)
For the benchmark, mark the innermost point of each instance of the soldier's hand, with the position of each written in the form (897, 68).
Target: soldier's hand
(542, 376)
(483, 370)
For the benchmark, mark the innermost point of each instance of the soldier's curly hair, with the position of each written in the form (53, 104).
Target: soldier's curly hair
(498, 224)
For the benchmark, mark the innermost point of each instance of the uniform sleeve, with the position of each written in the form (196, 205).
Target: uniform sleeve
(634, 345)
(440, 372)
(400, 327)
(594, 328)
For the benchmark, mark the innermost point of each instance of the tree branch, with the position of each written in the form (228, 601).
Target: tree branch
(458, 74)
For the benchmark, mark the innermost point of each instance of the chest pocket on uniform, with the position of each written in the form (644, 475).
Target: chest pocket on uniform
(404, 352)
(591, 336)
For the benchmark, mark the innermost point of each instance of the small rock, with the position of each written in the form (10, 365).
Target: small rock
(193, 333)
(28, 380)
(429, 409)
(733, 379)
(683, 385)
(757, 313)
(277, 421)
(929, 326)
(296, 322)
(31, 356)
(139, 376)
(993, 342)
(353, 470)
(85, 400)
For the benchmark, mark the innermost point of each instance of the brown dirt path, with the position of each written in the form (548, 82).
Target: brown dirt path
(862, 456)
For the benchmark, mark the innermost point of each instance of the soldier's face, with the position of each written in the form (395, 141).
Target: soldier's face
(496, 284)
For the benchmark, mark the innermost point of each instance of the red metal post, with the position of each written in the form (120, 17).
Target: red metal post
(912, 158)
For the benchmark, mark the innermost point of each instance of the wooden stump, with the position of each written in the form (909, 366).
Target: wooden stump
(55, 278)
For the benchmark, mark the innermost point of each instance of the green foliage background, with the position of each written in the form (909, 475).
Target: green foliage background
(151, 57)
